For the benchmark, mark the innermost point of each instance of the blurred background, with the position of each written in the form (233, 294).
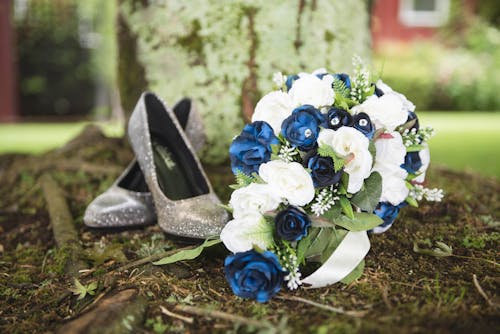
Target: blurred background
(68, 63)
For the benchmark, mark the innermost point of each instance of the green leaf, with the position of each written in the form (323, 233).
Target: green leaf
(275, 148)
(355, 274)
(242, 180)
(327, 151)
(91, 288)
(411, 201)
(369, 195)
(408, 125)
(81, 290)
(362, 221)
(305, 242)
(346, 206)
(415, 148)
(344, 183)
(372, 149)
(333, 214)
(317, 247)
(227, 208)
(340, 89)
(188, 254)
(369, 93)
(335, 239)
(442, 250)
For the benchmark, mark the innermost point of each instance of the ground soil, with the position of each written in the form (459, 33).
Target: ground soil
(401, 291)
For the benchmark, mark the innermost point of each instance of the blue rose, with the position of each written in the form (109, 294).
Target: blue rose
(344, 78)
(254, 275)
(339, 76)
(252, 147)
(301, 128)
(338, 117)
(363, 124)
(322, 170)
(291, 224)
(290, 79)
(412, 162)
(388, 213)
(378, 92)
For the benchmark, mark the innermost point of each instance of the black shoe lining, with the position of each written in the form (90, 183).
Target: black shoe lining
(134, 180)
(183, 178)
(182, 110)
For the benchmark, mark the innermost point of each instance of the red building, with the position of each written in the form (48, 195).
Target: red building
(8, 103)
(402, 21)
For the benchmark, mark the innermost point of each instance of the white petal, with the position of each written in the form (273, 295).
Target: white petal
(240, 235)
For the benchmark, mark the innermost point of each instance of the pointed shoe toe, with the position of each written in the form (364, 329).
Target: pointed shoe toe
(126, 203)
(185, 202)
(118, 207)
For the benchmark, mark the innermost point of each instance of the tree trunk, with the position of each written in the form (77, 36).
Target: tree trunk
(223, 54)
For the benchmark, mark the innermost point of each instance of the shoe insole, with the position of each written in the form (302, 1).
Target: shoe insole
(171, 174)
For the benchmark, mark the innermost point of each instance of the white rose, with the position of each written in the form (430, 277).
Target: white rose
(241, 234)
(288, 180)
(425, 157)
(386, 89)
(309, 89)
(321, 70)
(388, 159)
(385, 112)
(253, 198)
(394, 189)
(273, 108)
(390, 151)
(350, 143)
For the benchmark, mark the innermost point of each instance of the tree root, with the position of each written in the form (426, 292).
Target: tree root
(62, 224)
(122, 312)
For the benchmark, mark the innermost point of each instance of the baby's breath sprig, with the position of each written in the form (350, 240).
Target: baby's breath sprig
(413, 137)
(361, 85)
(324, 200)
(279, 80)
(288, 153)
(419, 192)
(288, 260)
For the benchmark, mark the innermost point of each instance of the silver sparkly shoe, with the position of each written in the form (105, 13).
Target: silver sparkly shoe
(128, 201)
(185, 202)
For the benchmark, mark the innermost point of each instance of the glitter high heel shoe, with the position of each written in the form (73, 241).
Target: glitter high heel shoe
(185, 202)
(128, 201)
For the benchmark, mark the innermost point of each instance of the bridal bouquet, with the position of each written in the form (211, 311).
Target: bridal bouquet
(326, 159)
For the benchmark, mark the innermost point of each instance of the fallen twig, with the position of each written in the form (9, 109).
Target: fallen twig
(356, 314)
(476, 258)
(223, 315)
(385, 295)
(175, 315)
(480, 290)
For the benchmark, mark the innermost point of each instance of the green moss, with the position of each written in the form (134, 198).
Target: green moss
(56, 260)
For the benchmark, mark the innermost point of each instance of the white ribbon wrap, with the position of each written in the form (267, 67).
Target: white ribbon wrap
(351, 251)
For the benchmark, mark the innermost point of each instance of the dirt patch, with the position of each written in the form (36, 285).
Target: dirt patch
(400, 290)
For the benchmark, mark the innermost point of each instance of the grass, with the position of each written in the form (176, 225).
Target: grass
(467, 141)
(36, 138)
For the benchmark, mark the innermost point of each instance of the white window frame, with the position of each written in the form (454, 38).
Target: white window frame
(419, 18)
